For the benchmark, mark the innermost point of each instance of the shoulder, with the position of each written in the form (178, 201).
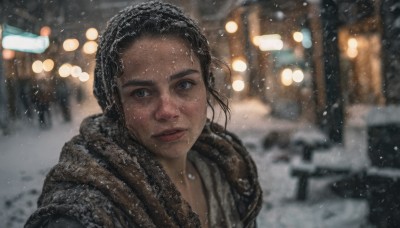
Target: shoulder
(235, 163)
(230, 146)
(93, 128)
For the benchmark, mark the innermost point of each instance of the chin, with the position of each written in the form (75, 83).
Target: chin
(171, 152)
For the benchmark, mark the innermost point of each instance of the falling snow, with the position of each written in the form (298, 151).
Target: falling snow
(28, 154)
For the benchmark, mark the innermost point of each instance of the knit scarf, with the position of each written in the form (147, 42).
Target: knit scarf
(105, 178)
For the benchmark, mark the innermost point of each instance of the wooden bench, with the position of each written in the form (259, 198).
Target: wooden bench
(309, 142)
(304, 171)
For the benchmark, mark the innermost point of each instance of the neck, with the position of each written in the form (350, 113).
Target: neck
(177, 169)
(187, 181)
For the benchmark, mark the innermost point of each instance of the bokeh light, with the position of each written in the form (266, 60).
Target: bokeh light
(37, 66)
(48, 65)
(92, 34)
(70, 44)
(76, 71)
(83, 77)
(298, 37)
(239, 65)
(238, 85)
(90, 47)
(231, 26)
(65, 70)
(287, 77)
(45, 31)
(298, 76)
(8, 54)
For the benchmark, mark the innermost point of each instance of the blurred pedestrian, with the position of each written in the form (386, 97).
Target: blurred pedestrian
(42, 95)
(80, 94)
(24, 80)
(63, 92)
(152, 158)
(24, 94)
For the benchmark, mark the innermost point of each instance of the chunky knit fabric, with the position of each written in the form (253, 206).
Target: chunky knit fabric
(106, 179)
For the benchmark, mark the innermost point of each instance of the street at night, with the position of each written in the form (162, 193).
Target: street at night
(312, 86)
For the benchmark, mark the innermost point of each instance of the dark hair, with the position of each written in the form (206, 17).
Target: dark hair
(151, 18)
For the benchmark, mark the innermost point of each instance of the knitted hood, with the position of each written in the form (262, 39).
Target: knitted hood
(149, 18)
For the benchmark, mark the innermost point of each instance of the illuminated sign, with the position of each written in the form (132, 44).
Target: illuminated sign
(18, 40)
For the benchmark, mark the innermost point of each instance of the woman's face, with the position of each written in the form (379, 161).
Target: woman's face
(163, 95)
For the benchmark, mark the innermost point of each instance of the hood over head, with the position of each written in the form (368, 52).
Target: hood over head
(152, 18)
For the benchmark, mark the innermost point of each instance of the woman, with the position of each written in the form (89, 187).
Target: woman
(152, 158)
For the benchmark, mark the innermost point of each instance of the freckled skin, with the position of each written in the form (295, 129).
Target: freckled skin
(164, 108)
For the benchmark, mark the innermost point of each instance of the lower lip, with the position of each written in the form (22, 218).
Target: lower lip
(171, 137)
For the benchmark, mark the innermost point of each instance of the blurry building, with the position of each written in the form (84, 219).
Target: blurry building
(66, 24)
(276, 49)
(277, 23)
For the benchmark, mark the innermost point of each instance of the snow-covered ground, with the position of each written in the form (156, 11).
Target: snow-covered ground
(251, 120)
(28, 153)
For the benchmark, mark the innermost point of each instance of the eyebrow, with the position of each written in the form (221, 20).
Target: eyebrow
(181, 74)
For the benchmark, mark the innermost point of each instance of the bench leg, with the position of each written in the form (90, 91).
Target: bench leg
(302, 188)
(308, 153)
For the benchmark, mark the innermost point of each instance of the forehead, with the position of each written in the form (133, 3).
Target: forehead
(157, 52)
(153, 46)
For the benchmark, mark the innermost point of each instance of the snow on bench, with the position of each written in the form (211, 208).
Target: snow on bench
(309, 140)
(384, 173)
(312, 170)
(306, 170)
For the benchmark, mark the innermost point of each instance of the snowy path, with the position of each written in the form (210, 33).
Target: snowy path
(28, 154)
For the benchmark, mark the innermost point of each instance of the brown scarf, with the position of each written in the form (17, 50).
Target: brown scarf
(106, 179)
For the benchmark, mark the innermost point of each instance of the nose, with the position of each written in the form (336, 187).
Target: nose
(167, 109)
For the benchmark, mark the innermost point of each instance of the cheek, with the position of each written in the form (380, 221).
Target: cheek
(135, 120)
(197, 108)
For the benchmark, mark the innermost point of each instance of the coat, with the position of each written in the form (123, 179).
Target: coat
(105, 178)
